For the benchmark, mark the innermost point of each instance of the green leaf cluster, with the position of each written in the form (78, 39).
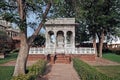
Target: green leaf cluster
(99, 15)
(39, 41)
(33, 71)
(9, 11)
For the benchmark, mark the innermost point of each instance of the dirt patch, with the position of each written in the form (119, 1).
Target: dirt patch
(12, 63)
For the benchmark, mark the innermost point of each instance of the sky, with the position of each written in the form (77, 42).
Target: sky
(32, 18)
(30, 30)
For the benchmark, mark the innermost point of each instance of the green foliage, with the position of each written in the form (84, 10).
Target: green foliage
(57, 1)
(117, 31)
(4, 39)
(6, 72)
(64, 8)
(39, 41)
(81, 33)
(33, 71)
(11, 17)
(2, 33)
(9, 12)
(99, 15)
(87, 72)
(112, 57)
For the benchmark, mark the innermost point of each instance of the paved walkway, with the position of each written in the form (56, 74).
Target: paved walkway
(60, 72)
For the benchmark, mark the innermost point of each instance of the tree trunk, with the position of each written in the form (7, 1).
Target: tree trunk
(94, 45)
(101, 39)
(20, 66)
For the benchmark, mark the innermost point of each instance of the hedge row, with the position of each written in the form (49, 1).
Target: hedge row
(87, 72)
(33, 71)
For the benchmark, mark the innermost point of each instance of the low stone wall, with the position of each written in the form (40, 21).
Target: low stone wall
(87, 57)
(36, 56)
(39, 50)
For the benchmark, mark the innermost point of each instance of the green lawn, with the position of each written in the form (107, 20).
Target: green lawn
(6, 72)
(112, 71)
(112, 57)
(8, 57)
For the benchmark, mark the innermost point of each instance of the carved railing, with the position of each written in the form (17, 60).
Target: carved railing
(85, 51)
(36, 50)
(39, 50)
(68, 45)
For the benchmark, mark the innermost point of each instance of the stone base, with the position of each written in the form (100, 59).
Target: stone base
(36, 56)
(87, 57)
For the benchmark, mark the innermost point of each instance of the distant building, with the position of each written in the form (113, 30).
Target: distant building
(60, 43)
(114, 44)
(7, 27)
(4, 25)
(11, 32)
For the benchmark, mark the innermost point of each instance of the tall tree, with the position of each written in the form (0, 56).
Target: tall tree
(100, 17)
(108, 21)
(18, 11)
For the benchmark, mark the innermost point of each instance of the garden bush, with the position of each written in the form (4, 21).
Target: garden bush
(87, 72)
(33, 71)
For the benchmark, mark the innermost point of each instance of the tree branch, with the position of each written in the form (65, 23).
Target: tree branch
(41, 24)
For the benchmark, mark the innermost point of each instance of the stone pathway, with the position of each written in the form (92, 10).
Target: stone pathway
(60, 72)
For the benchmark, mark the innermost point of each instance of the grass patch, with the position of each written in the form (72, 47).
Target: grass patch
(9, 57)
(33, 71)
(111, 71)
(112, 57)
(87, 72)
(6, 72)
